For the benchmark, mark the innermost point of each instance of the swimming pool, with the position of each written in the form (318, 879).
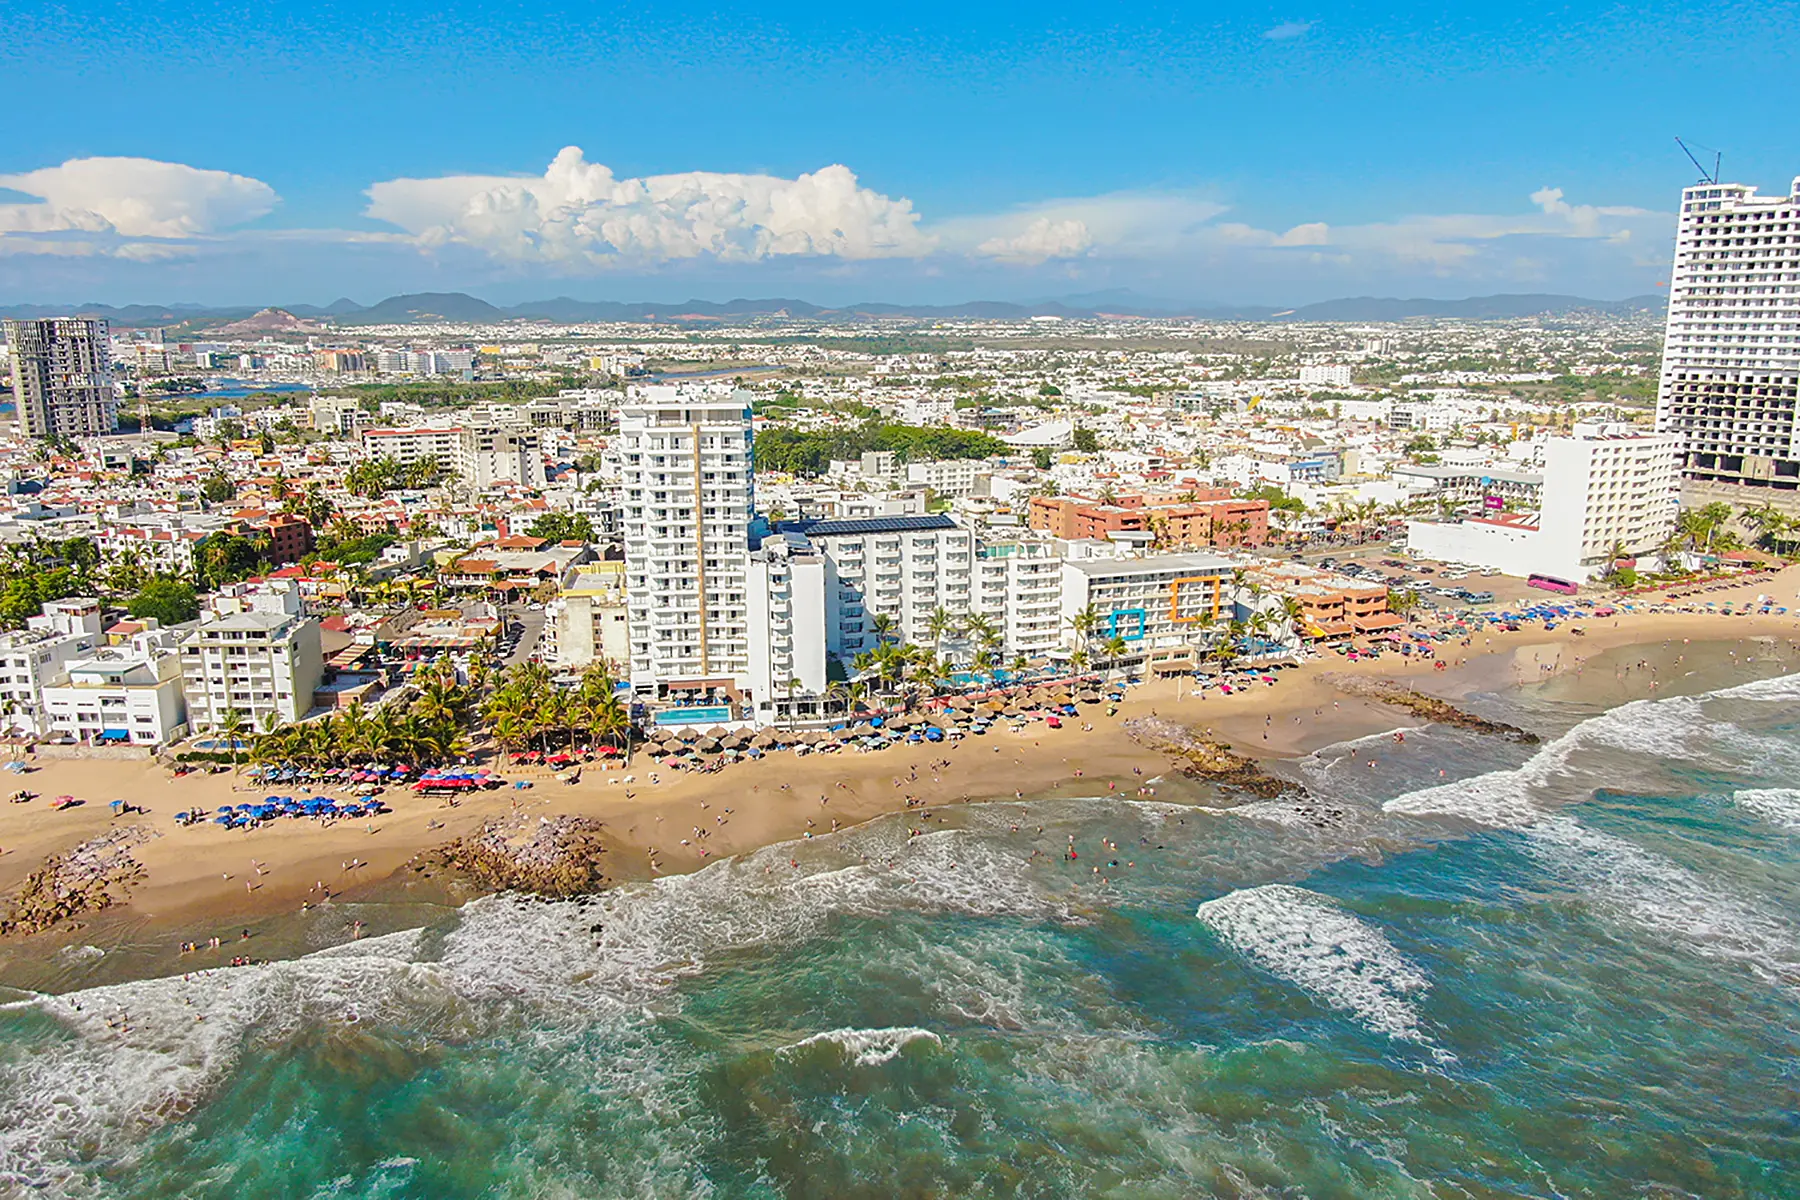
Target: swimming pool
(705, 715)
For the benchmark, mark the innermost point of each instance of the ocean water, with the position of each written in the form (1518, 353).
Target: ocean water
(1564, 970)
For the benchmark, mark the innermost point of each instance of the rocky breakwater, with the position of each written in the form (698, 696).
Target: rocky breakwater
(94, 875)
(1430, 708)
(537, 855)
(1203, 758)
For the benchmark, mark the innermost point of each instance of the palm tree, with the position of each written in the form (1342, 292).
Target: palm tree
(940, 624)
(1115, 648)
(232, 727)
(1084, 623)
(1292, 612)
(883, 627)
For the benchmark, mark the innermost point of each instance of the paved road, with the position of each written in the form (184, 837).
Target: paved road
(531, 625)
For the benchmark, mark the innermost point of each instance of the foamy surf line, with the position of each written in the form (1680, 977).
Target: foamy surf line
(1667, 899)
(1776, 806)
(1675, 728)
(139, 1054)
(1307, 940)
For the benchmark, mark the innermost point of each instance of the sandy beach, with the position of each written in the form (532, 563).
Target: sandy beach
(206, 881)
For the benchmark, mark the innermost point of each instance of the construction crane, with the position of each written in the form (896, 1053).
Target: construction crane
(1705, 176)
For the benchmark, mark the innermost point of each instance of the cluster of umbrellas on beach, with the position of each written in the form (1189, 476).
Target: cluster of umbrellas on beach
(942, 719)
(463, 780)
(271, 808)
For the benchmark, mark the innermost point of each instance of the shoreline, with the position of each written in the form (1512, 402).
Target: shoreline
(203, 882)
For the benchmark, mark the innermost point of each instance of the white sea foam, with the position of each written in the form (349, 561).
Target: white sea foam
(1277, 812)
(1667, 899)
(553, 967)
(1652, 730)
(868, 1047)
(1309, 941)
(135, 1054)
(1777, 806)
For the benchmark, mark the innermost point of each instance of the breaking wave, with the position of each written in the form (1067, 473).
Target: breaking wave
(1306, 939)
(867, 1047)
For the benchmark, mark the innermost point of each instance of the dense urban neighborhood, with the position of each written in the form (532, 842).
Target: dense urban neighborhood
(784, 520)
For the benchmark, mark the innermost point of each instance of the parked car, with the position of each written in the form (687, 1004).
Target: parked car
(1479, 597)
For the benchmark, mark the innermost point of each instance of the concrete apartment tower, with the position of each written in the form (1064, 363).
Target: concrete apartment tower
(688, 493)
(62, 380)
(1731, 357)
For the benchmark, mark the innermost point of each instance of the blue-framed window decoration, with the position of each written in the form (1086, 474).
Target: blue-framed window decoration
(1127, 623)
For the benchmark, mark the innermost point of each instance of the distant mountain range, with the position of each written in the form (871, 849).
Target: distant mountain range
(423, 308)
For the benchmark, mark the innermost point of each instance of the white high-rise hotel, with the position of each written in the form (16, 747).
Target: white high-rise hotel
(687, 490)
(1731, 358)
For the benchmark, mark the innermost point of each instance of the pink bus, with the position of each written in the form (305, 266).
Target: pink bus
(1551, 583)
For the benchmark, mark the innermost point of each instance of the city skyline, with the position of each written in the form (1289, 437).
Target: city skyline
(1262, 156)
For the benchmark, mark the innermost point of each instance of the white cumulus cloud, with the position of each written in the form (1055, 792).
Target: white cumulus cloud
(132, 197)
(1041, 240)
(579, 212)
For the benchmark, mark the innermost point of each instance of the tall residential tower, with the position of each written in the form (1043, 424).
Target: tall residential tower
(1731, 357)
(62, 382)
(687, 495)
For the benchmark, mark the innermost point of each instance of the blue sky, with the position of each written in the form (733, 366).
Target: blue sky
(234, 153)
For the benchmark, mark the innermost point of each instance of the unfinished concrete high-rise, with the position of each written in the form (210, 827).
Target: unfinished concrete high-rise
(1731, 356)
(62, 377)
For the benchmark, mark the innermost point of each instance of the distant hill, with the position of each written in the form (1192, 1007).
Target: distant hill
(459, 307)
(420, 307)
(269, 320)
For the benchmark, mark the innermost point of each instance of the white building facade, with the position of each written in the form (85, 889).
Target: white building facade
(1731, 353)
(1609, 487)
(31, 658)
(787, 624)
(265, 665)
(129, 694)
(686, 492)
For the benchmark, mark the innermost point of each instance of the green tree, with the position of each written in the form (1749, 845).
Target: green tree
(1085, 441)
(1040, 458)
(563, 527)
(217, 489)
(171, 601)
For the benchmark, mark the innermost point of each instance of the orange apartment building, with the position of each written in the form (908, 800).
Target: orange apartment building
(1177, 524)
(1334, 605)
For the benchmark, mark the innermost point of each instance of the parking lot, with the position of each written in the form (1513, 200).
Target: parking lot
(1439, 585)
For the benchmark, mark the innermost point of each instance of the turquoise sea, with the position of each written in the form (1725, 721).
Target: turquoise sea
(1564, 970)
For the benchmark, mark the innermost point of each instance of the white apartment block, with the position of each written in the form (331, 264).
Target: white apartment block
(954, 477)
(128, 694)
(481, 454)
(907, 567)
(1609, 486)
(587, 622)
(265, 665)
(1731, 354)
(338, 414)
(487, 455)
(1325, 376)
(787, 623)
(687, 493)
(410, 445)
(62, 377)
(32, 657)
(1158, 601)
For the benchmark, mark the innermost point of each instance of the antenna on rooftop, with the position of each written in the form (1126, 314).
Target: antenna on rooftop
(1705, 177)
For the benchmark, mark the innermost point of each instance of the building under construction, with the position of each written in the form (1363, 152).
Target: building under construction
(62, 379)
